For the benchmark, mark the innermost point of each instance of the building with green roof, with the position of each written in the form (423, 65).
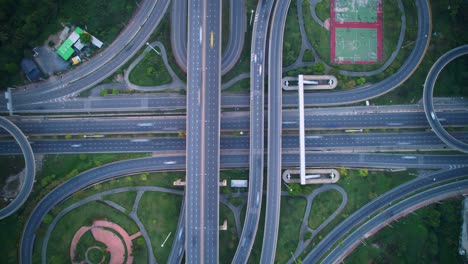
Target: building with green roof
(66, 49)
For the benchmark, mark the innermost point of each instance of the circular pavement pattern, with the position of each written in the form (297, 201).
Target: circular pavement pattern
(29, 163)
(428, 98)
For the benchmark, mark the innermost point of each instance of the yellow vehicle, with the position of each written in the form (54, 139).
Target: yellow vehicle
(212, 39)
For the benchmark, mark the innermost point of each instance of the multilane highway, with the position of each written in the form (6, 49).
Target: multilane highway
(256, 148)
(239, 121)
(145, 102)
(149, 102)
(203, 127)
(237, 25)
(368, 142)
(127, 167)
(275, 59)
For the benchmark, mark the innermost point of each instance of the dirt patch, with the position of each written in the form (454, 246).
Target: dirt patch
(13, 185)
(118, 242)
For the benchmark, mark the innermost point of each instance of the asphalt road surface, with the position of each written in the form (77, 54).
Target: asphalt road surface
(22, 143)
(237, 121)
(428, 102)
(347, 142)
(203, 127)
(237, 25)
(448, 190)
(273, 196)
(133, 37)
(256, 147)
(375, 205)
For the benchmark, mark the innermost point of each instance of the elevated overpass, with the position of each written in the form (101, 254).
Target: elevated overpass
(203, 126)
(428, 100)
(30, 167)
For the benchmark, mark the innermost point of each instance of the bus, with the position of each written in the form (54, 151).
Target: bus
(212, 39)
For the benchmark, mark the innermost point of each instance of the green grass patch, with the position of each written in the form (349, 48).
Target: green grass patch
(361, 190)
(240, 86)
(64, 167)
(124, 199)
(318, 36)
(323, 206)
(453, 79)
(308, 56)
(292, 37)
(159, 213)
(428, 236)
(292, 212)
(448, 33)
(322, 9)
(228, 239)
(236, 201)
(61, 237)
(150, 71)
(161, 179)
(162, 34)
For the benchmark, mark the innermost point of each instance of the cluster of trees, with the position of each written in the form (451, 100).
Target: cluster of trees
(345, 81)
(21, 23)
(317, 69)
(25, 24)
(105, 92)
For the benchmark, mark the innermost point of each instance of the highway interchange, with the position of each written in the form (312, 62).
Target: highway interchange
(204, 151)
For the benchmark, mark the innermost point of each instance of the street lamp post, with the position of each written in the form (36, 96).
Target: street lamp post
(251, 15)
(149, 45)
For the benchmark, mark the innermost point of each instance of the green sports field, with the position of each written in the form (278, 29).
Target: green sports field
(356, 10)
(356, 44)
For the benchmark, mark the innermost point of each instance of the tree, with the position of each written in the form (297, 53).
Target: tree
(361, 81)
(181, 133)
(11, 68)
(319, 68)
(432, 218)
(294, 189)
(104, 92)
(85, 38)
(149, 71)
(363, 173)
(115, 91)
(343, 171)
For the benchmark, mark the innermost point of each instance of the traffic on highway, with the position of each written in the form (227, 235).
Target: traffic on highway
(231, 146)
